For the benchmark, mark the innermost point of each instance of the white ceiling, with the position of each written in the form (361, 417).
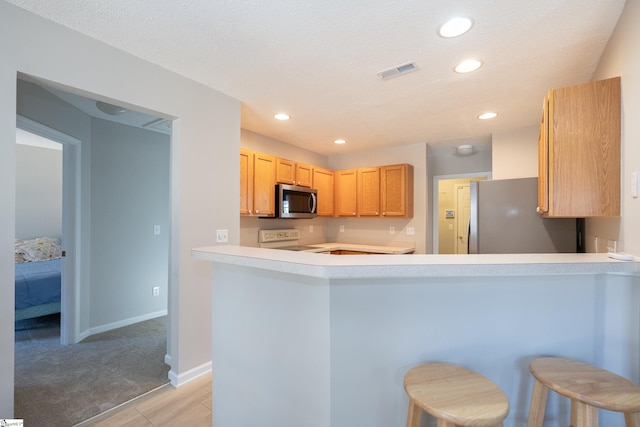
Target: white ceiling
(317, 60)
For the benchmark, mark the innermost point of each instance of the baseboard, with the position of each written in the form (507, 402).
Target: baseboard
(121, 323)
(178, 380)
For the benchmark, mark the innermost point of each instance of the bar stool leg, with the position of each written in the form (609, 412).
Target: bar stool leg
(585, 415)
(632, 420)
(415, 413)
(538, 404)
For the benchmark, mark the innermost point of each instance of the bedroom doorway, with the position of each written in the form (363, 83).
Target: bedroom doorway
(37, 133)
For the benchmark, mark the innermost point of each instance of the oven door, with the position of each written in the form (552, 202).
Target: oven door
(293, 201)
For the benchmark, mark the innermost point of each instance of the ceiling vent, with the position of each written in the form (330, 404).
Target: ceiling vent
(398, 70)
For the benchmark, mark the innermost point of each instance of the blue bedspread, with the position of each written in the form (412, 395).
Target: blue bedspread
(38, 282)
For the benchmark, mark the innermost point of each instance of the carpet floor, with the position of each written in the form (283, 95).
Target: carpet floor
(59, 385)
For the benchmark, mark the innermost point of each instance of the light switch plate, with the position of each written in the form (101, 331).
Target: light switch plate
(222, 236)
(634, 184)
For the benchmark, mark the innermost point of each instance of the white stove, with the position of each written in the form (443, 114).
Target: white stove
(287, 239)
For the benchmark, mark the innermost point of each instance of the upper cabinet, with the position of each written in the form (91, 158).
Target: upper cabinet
(346, 190)
(246, 182)
(381, 191)
(289, 172)
(579, 151)
(396, 191)
(323, 182)
(368, 193)
(384, 191)
(257, 184)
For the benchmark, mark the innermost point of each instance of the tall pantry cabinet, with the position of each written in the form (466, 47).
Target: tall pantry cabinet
(579, 151)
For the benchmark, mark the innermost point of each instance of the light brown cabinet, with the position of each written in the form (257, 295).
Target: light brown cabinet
(396, 191)
(579, 151)
(246, 182)
(368, 192)
(385, 191)
(290, 172)
(257, 183)
(323, 182)
(346, 192)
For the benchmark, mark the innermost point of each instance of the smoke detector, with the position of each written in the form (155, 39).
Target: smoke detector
(398, 70)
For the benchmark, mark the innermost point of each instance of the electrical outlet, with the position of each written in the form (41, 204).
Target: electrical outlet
(311, 229)
(411, 231)
(342, 228)
(222, 236)
(392, 230)
(155, 291)
(156, 230)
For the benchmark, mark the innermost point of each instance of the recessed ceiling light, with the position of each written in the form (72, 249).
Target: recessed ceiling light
(339, 141)
(468, 66)
(455, 27)
(282, 116)
(486, 116)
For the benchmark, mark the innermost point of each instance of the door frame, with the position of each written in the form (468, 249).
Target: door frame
(436, 197)
(71, 225)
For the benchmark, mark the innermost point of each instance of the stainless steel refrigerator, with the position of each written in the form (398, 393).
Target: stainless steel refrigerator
(503, 219)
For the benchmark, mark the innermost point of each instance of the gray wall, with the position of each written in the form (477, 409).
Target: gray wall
(130, 194)
(205, 136)
(38, 192)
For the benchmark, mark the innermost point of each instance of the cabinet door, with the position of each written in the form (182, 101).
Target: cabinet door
(397, 190)
(304, 175)
(368, 193)
(285, 171)
(264, 182)
(584, 150)
(246, 182)
(323, 182)
(346, 188)
(543, 160)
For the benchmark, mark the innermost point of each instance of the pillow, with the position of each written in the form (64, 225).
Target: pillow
(40, 249)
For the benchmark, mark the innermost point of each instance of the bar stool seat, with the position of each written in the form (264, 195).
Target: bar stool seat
(455, 396)
(588, 387)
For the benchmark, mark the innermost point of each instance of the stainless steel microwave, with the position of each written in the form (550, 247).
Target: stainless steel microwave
(293, 201)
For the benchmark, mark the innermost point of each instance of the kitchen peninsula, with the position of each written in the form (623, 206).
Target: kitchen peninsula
(304, 339)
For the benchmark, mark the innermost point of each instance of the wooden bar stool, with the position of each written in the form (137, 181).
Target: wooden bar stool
(588, 387)
(455, 396)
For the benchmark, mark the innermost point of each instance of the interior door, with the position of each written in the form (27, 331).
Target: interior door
(463, 207)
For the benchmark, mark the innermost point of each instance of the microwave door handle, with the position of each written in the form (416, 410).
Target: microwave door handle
(313, 203)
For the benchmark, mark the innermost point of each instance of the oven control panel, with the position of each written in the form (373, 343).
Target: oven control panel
(267, 236)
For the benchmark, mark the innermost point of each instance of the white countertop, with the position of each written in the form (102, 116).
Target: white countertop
(419, 265)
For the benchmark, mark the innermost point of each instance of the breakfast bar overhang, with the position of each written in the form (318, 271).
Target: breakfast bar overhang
(303, 339)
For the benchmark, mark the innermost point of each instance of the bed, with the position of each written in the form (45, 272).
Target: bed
(38, 271)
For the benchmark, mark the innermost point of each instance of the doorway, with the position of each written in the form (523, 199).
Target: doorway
(120, 181)
(451, 211)
(69, 227)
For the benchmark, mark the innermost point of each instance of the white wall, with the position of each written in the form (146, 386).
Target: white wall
(515, 153)
(38, 192)
(620, 59)
(206, 135)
